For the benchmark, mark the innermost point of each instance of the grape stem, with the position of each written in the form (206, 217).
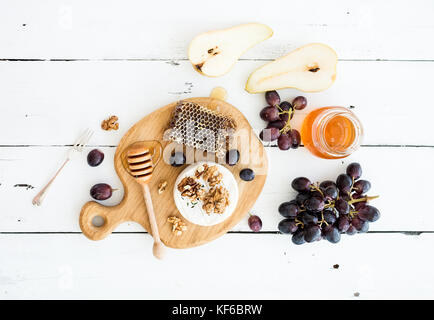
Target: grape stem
(298, 222)
(287, 126)
(352, 213)
(315, 187)
(367, 198)
(352, 186)
(322, 220)
(329, 204)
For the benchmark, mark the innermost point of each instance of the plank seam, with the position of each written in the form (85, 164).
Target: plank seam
(265, 146)
(185, 59)
(414, 233)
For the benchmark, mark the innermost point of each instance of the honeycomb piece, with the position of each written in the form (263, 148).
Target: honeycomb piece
(198, 127)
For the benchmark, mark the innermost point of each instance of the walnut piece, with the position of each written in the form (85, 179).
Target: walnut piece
(110, 123)
(162, 186)
(191, 188)
(178, 226)
(216, 200)
(210, 174)
(201, 170)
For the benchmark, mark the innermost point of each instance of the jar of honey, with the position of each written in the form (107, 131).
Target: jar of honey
(331, 132)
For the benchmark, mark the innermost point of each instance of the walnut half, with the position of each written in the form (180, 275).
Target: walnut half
(110, 123)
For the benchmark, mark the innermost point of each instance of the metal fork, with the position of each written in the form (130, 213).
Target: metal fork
(77, 147)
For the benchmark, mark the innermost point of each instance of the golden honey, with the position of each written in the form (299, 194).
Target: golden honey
(331, 132)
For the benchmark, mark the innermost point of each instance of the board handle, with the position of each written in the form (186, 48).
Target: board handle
(110, 219)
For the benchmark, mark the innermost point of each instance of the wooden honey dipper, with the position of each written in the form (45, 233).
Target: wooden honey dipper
(140, 166)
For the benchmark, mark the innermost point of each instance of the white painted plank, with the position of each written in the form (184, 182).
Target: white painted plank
(392, 172)
(232, 267)
(136, 29)
(52, 102)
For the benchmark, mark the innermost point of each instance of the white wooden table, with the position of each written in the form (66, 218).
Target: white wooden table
(66, 65)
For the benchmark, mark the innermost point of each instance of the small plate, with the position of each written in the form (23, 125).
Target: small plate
(194, 212)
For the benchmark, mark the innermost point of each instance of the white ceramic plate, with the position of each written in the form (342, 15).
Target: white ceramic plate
(195, 214)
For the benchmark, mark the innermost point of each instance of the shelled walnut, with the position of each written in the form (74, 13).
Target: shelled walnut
(162, 186)
(178, 226)
(110, 123)
(216, 200)
(201, 170)
(191, 188)
(209, 174)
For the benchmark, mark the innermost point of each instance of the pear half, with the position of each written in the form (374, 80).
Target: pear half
(310, 68)
(214, 53)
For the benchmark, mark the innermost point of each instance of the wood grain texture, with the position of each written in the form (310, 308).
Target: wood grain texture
(132, 207)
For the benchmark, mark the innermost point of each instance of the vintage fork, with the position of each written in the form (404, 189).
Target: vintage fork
(77, 147)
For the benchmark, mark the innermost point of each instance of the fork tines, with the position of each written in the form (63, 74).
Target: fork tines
(83, 139)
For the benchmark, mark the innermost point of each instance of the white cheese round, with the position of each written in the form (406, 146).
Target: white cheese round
(194, 212)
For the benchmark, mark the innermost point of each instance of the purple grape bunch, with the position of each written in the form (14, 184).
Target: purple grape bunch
(278, 115)
(328, 209)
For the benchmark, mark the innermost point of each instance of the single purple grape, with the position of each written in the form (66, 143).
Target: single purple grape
(329, 216)
(343, 223)
(312, 233)
(287, 226)
(298, 237)
(351, 230)
(369, 213)
(344, 182)
(360, 225)
(314, 204)
(269, 134)
(255, 223)
(362, 186)
(269, 113)
(344, 195)
(284, 142)
(299, 103)
(289, 209)
(332, 234)
(279, 124)
(342, 206)
(331, 193)
(232, 157)
(272, 98)
(294, 138)
(354, 170)
(101, 191)
(301, 184)
(327, 183)
(302, 197)
(95, 157)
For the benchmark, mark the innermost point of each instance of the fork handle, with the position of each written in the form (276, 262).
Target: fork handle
(37, 200)
(158, 248)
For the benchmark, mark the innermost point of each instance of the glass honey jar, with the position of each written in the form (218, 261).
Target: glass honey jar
(331, 132)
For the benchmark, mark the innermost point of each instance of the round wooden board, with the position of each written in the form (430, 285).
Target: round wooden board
(132, 207)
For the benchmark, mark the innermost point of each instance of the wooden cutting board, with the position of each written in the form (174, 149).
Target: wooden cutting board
(132, 207)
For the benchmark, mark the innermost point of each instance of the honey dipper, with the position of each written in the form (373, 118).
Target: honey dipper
(140, 166)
